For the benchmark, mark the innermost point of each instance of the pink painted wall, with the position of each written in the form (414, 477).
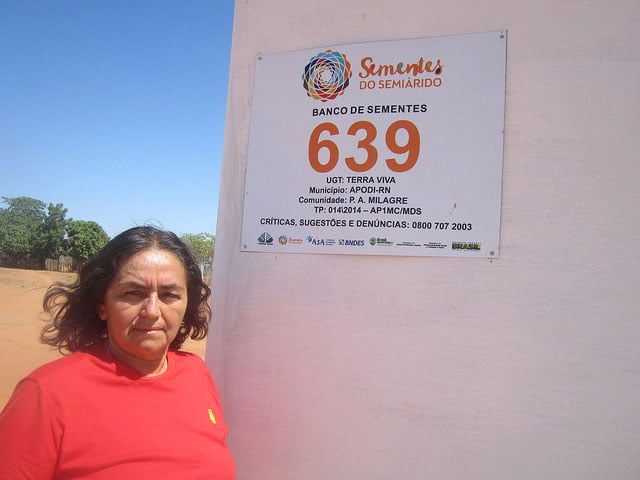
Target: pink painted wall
(527, 366)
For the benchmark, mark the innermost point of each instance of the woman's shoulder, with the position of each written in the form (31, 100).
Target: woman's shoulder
(192, 369)
(56, 367)
(186, 358)
(187, 362)
(65, 364)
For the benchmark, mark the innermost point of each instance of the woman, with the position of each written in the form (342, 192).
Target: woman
(126, 403)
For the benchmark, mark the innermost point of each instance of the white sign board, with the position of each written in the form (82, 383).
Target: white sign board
(381, 148)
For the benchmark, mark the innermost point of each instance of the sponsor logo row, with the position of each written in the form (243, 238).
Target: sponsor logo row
(267, 239)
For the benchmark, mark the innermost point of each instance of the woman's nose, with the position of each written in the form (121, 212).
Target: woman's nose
(151, 307)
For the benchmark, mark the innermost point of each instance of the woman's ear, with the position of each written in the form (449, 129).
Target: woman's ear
(102, 312)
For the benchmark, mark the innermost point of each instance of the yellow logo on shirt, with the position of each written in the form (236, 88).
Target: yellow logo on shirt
(212, 417)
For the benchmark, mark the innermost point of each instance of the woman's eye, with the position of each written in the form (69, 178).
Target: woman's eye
(171, 296)
(133, 293)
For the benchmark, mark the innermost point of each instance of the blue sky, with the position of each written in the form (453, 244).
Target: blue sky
(116, 108)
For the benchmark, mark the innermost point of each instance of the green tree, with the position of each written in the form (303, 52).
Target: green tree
(51, 233)
(19, 227)
(26, 207)
(84, 239)
(202, 245)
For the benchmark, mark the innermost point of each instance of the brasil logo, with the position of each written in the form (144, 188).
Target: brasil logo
(326, 76)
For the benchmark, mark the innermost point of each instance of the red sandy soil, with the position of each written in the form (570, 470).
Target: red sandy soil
(22, 318)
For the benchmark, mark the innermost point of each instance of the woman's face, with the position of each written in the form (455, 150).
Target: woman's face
(144, 306)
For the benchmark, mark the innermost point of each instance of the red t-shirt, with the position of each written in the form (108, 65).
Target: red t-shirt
(89, 416)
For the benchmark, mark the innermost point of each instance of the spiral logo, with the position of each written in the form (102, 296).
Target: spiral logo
(326, 76)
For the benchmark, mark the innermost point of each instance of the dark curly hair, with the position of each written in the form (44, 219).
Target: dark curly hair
(73, 307)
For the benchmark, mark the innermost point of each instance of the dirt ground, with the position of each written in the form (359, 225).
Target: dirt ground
(22, 318)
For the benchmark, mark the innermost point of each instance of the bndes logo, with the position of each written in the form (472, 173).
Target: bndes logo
(351, 243)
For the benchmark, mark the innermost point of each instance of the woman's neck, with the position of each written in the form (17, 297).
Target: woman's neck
(146, 367)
